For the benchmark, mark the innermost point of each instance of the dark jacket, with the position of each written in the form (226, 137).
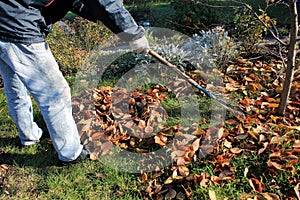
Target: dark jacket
(28, 21)
(20, 22)
(110, 12)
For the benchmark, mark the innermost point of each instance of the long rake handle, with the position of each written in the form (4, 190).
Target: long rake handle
(194, 83)
(189, 79)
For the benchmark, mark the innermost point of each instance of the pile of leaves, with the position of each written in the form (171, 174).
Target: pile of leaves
(137, 125)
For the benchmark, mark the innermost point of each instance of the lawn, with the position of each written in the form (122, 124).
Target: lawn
(256, 157)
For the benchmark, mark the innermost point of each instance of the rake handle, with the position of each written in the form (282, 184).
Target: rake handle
(195, 84)
(189, 79)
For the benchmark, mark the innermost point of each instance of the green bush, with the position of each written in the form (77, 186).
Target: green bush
(72, 41)
(193, 16)
(248, 30)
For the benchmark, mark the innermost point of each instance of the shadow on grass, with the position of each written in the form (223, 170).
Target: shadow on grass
(38, 156)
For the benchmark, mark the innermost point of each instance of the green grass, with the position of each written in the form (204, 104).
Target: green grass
(34, 172)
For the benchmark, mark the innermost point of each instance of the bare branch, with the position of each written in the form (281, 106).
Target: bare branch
(218, 6)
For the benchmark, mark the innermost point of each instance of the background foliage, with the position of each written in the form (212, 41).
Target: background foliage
(72, 40)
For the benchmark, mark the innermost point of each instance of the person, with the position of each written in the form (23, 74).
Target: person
(28, 67)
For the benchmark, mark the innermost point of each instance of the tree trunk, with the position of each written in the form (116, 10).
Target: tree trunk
(289, 75)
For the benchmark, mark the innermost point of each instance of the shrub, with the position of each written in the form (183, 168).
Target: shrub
(71, 42)
(205, 50)
(193, 16)
(248, 30)
(218, 44)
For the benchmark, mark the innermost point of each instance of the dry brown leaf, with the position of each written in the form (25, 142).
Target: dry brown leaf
(241, 61)
(198, 132)
(255, 184)
(253, 134)
(183, 171)
(240, 129)
(196, 144)
(4, 166)
(248, 79)
(181, 161)
(220, 132)
(297, 144)
(227, 144)
(201, 179)
(260, 151)
(169, 180)
(270, 196)
(297, 190)
(273, 105)
(160, 140)
(276, 165)
(236, 150)
(292, 159)
(175, 175)
(106, 147)
(94, 155)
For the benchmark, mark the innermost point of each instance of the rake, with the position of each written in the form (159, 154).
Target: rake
(233, 109)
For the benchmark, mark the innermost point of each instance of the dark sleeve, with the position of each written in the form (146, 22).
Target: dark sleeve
(112, 14)
(56, 11)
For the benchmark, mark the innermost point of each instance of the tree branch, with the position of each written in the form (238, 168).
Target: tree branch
(217, 6)
(262, 22)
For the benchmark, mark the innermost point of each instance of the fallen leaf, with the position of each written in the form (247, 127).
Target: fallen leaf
(270, 196)
(171, 194)
(236, 150)
(94, 155)
(255, 184)
(212, 195)
(168, 180)
(297, 191)
(145, 177)
(183, 171)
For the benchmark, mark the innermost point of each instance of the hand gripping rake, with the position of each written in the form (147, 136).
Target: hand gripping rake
(234, 110)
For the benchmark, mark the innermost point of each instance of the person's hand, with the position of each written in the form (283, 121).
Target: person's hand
(140, 45)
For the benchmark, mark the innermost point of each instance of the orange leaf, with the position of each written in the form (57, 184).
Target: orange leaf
(292, 159)
(160, 140)
(198, 132)
(144, 177)
(270, 196)
(169, 180)
(241, 61)
(255, 184)
(273, 105)
(94, 155)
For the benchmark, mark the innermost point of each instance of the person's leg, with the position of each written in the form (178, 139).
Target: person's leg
(19, 106)
(37, 69)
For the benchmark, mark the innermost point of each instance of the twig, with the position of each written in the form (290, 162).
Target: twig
(217, 6)
(255, 58)
(262, 22)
